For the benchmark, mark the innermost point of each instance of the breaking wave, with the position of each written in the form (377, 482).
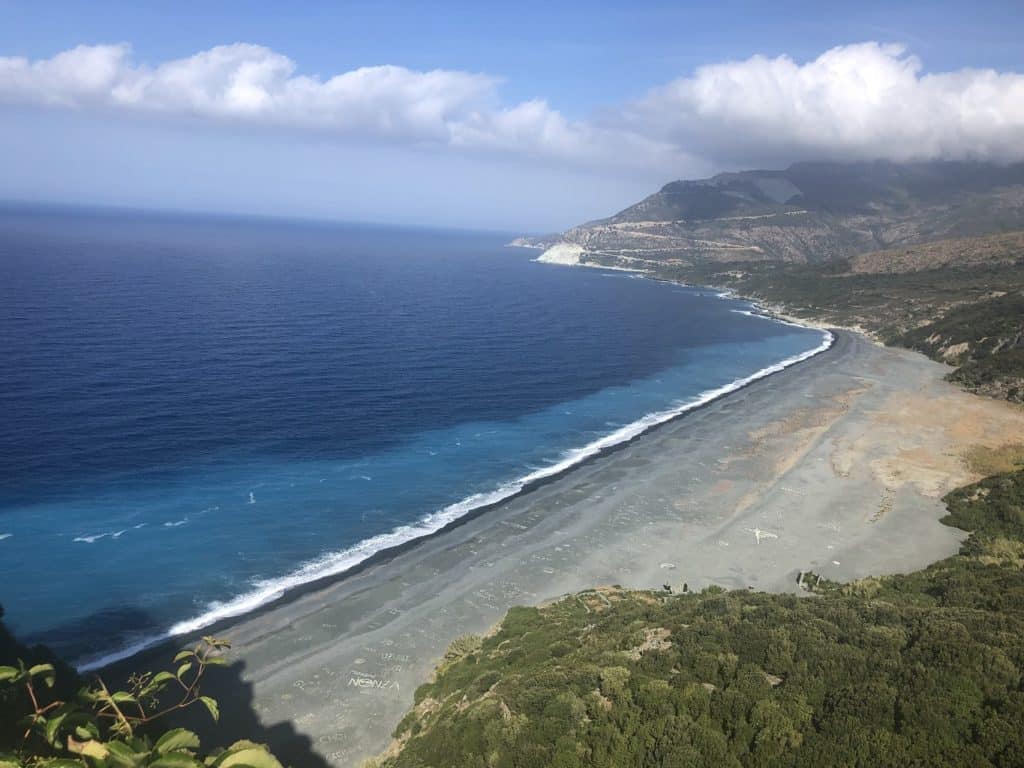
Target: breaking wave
(265, 591)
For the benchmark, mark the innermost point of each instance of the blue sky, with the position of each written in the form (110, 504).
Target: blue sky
(545, 114)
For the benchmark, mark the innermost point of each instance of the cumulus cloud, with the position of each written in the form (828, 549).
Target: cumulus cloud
(254, 84)
(856, 101)
(251, 82)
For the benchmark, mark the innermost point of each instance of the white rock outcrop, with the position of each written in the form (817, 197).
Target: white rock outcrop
(567, 254)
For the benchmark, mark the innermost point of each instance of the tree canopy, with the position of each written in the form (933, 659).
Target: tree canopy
(915, 669)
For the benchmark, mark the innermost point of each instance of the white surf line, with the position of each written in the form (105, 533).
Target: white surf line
(335, 563)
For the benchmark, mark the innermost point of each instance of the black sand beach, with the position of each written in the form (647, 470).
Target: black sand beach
(836, 465)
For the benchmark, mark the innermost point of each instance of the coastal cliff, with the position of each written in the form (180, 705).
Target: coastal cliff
(928, 256)
(921, 668)
(809, 212)
(566, 254)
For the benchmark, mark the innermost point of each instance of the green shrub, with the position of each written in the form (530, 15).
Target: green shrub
(104, 728)
(917, 669)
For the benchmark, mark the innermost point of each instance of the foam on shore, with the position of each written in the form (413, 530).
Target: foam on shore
(265, 591)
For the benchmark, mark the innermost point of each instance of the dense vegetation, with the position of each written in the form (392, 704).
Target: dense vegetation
(916, 669)
(949, 280)
(50, 718)
(970, 317)
(1001, 375)
(14, 701)
(920, 669)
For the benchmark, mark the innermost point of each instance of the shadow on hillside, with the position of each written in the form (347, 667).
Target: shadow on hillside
(239, 720)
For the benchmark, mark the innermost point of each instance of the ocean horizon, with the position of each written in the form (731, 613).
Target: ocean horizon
(203, 412)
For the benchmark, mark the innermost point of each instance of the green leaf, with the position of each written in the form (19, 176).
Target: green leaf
(216, 758)
(175, 739)
(184, 668)
(157, 684)
(139, 743)
(8, 673)
(120, 755)
(175, 760)
(248, 757)
(45, 671)
(93, 749)
(87, 732)
(182, 655)
(211, 704)
(53, 727)
(9, 761)
(216, 661)
(57, 762)
(123, 697)
(88, 695)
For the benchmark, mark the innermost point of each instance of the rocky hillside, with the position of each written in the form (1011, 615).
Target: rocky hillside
(960, 302)
(808, 212)
(985, 339)
(962, 252)
(924, 255)
(918, 669)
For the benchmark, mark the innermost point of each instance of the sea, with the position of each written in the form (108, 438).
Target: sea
(201, 413)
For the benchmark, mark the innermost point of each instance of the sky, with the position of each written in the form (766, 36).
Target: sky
(523, 117)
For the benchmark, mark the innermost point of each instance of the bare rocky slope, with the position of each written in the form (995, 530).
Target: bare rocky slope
(927, 255)
(806, 213)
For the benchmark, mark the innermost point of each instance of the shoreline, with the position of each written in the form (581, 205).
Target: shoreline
(274, 592)
(831, 466)
(764, 308)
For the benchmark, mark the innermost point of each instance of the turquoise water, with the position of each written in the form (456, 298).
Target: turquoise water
(201, 413)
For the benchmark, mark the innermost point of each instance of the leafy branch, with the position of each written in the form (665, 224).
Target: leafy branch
(104, 728)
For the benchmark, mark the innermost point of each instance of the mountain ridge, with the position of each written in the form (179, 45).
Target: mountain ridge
(808, 212)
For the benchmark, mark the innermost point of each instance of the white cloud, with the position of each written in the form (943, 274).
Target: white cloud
(251, 83)
(82, 75)
(857, 101)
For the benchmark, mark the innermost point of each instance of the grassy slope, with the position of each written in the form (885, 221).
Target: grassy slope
(918, 669)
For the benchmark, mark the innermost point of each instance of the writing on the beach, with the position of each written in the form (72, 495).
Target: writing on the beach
(359, 680)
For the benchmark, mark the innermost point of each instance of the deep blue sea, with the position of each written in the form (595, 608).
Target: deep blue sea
(197, 413)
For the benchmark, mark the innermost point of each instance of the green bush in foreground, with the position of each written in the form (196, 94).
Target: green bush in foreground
(918, 669)
(101, 728)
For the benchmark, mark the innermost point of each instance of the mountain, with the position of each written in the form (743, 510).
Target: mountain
(808, 212)
(922, 255)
